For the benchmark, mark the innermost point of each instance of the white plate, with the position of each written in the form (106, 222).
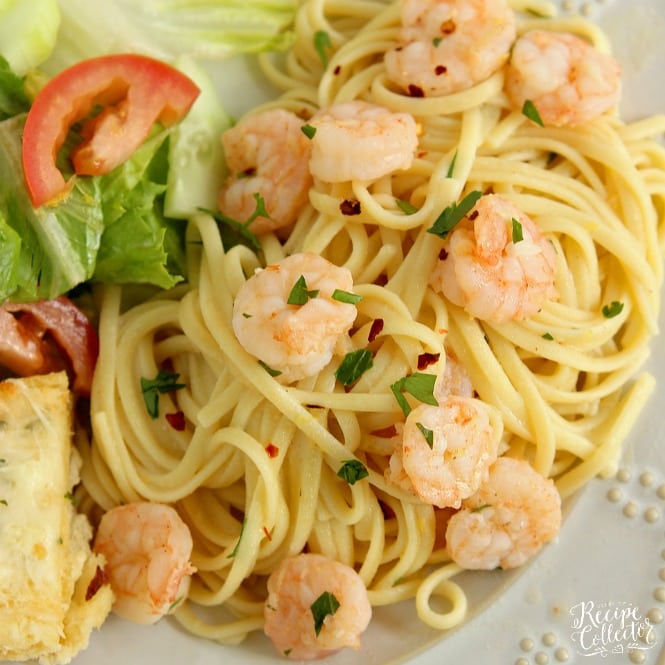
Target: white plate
(611, 550)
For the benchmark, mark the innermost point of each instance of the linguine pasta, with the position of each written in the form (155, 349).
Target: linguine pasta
(254, 467)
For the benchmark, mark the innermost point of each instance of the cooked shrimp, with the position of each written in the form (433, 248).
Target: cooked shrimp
(496, 263)
(361, 141)
(454, 380)
(147, 548)
(447, 46)
(302, 628)
(267, 154)
(296, 340)
(513, 514)
(566, 78)
(450, 465)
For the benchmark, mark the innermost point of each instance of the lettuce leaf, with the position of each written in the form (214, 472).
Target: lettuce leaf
(109, 228)
(13, 98)
(28, 32)
(168, 29)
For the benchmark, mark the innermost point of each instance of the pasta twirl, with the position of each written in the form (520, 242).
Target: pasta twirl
(254, 470)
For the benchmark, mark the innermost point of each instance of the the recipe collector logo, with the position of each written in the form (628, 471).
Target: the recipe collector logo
(608, 628)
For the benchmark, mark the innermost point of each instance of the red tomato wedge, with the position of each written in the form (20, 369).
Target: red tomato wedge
(133, 91)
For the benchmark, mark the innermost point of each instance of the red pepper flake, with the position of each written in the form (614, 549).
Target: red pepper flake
(416, 91)
(268, 534)
(440, 69)
(337, 70)
(272, 450)
(427, 359)
(350, 207)
(443, 254)
(388, 512)
(375, 330)
(422, 154)
(99, 579)
(385, 433)
(176, 420)
(473, 214)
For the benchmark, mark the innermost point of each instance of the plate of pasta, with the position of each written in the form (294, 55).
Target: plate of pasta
(395, 395)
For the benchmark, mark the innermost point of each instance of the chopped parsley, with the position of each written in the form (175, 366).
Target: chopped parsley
(345, 296)
(427, 433)
(164, 382)
(235, 549)
(548, 336)
(353, 366)
(436, 41)
(308, 131)
(175, 603)
(71, 498)
(419, 385)
(451, 168)
(322, 43)
(406, 207)
(325, 605)
(613, 309)
(299, 294)
(270, 370)
(531, 112)
(454, 214)
(352, 470)
(4, 502)
(518, 233)
(234, 232)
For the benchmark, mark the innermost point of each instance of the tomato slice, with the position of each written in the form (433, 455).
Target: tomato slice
(134, 92)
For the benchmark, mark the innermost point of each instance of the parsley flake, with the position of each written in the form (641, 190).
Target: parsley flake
(531, 112)
(308, 130)
(353, 366)
(164, 382)
(325, 605)
(4, 502)
(518, 233)
(427, 433)
(234, 232)
(235, 549)
(321, 44)
(548, 336)
(406, 207)
(613, 309)
(352, 470)
(71, 498)
(345, 296)
(451, 168)
(299, 294)
(419, 385)
(270, 370)
(454, 214)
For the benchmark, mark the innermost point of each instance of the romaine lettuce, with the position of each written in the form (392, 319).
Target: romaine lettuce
(167, 29)
(109, 228)
(28, 31)
(13, 98)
